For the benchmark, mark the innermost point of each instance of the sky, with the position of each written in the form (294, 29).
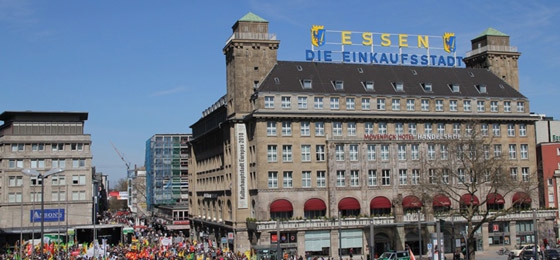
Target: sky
(140, 68)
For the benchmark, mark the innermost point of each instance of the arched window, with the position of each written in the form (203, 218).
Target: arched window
(281, 209)
(314, 208)
(380, 206)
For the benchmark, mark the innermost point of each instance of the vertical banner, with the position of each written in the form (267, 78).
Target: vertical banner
(242, 192)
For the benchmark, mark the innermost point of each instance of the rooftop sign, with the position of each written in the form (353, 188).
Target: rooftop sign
(382, 48)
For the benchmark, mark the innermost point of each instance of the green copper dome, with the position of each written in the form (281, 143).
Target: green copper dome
(251, 17)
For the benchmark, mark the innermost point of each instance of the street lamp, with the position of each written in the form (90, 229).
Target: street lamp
(42, 177)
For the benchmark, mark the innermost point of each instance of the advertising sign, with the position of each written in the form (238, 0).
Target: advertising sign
(50, 215)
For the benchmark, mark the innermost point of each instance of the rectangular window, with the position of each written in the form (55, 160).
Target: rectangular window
(15, 181)
(78, 195)
(439, 105)
(368, 126)
(339, 152)
(425, 105)
(493, 106)
(396, 104)
(511, 130)
(37, 147)
(445, 176)
(384, 152)
(302, 102)
(414, 154)
(372, 178)
(78, 180)
(78, 163)
(484, 129)
(272, 153)
(525, 173)
(452, 105)
(428, 128)
(14, 197)
(305, 153)
(319, 129)
(399, 128)
(431, 152)
(440, 128)
(286, 128)
(77, 147)
(340, 178)
(57, 147)
(410, 104)
(431, 176)
(385, 177)
(321, 179)
(507, 106)
(286, 102)
(371, 153)
(58, 181)
(350, 104)
(354, 178)
(513, 173)
(380, 104)
(305, 129)
(520, 106)
(524, 151)
(512, 151)
(401, 153)
(522, 130)
(286, 153)
(480, 106)
(272, 179)
(287, 180)
(37, 163)
(338, 84)
(271, 128)
(402, 177)
(268, 102)
(320, 152)
(412, 128)
(306, 179)
(466, 105)
(496, 129)
(318, 103)
(353, 150)
(444, 151)
(415, 177)
(366, 104)
(335, 103)
(18, 147)
(486, 149)
(351, 131)
(382, 128)
(337, 128)
(461, 175)
(35, 181)
(456, 128)
(497, 150)
(58, 163)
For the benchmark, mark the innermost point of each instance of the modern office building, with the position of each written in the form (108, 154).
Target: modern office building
(300, 157)
(41, 141)
(167, 165)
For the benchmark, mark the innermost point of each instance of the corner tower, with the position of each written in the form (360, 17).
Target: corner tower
(250, 52)
(491, 50)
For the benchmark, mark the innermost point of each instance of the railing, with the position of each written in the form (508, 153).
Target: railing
(492, 48)
(252, 36)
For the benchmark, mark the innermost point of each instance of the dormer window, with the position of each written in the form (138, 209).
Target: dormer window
(481, 88)
(399, 86)
(427, 87)
(338, 84)
(360, 70)
(299, 68)
(414, 72)
(306, 84)
(368, 85)
(454, 88)
(471, 74)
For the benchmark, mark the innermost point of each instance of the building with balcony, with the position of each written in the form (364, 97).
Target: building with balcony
(302, 157)
(167, 165)
(42, 141)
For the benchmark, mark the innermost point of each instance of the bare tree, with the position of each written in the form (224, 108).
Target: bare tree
(471, 170)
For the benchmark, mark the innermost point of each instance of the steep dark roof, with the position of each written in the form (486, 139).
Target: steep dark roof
(286, 77)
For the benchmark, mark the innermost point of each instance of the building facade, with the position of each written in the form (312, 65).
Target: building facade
(314, 158)
(42, 141)
(167, 163)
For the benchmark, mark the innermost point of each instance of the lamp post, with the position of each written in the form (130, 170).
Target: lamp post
(42, 177)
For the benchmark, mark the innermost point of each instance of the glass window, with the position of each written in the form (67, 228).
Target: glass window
(520, 106)
(480, 106)
(493, 106)
(366, 104)
(306, 179)
(401, 152)
(272, 153)
(431, 152)
(305, 129)
(380, 104)
(272, 179)
(286, 128)
(522, 130)
(456, 128)
(496, 129)
(320, 152)
(425, 105)
(340, 178)
(444, 151)
(302, 102)
(399, 128)
(484, 129)
(318, 103)
(382, 128)
(321, 179)
(440, 128)
(38, 147)
(339, 152)
(305, 153)
(524, 151)
(78, 163)
(271, 128)
(414, 152)
(350, 104)
(15, 181)
(427, 128)
(372, 178)
(525, 173)
(512, 151)
(269, 102)
(353, 150)
(410, 104)
(385, 177)
(335, 103)
(497, 150)
(507, 106)
(286, 102)
(452, 105)
(77, 147)
(412, 128)
(286, 153)
(415, 177)
(287, 180)
(439, 105)
(513, 173)
(319, 129)
(354, 178)
(396, 104)
(368, 126)
(466, 105)
(384, 152)
(402, 177)
(337, 128)
(371, 153)
(351, 131)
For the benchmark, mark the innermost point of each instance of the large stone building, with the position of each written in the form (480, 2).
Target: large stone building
(300, 157)
(42, 141)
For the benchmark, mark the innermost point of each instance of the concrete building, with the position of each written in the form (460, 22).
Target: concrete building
(167, 165)
(42, 141)
(300, 158)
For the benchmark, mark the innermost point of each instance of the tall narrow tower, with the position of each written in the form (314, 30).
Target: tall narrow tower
(491, 50)
(250, 52)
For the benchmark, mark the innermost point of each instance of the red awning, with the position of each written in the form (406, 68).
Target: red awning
(441, 200)
(467, 198)
(411, 202)
(281, 206)
(348, 204)
(380, 203)
(495, 198)
(314, 204)
(521, 198)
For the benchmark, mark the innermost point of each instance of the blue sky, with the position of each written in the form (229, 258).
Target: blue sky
(145, 67)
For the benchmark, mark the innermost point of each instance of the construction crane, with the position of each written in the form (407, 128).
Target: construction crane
(123, 159)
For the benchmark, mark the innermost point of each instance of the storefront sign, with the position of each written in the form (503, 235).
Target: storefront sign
(382, 48)
(50, 215)
(399, 137)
